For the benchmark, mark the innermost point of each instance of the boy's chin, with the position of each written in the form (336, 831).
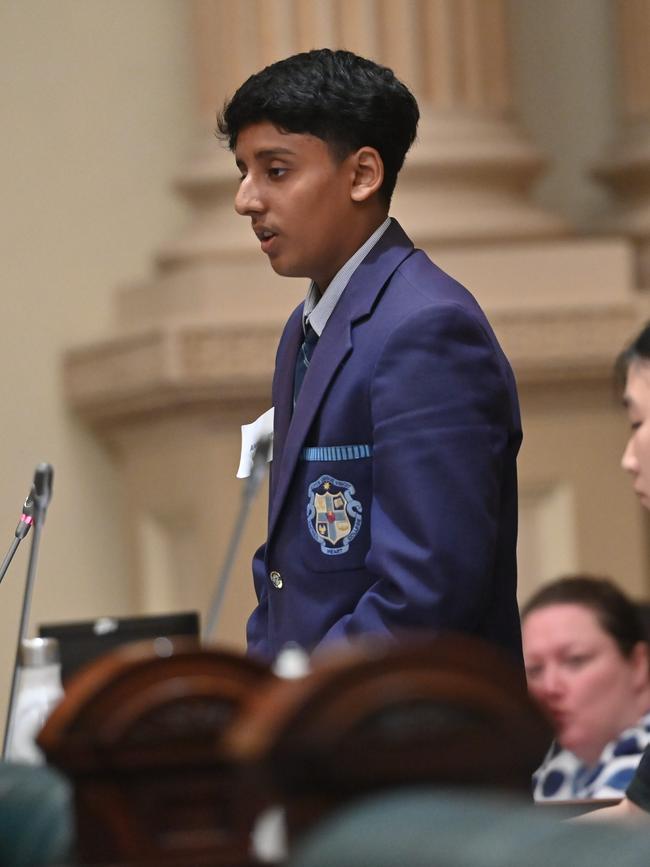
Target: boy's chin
(283, 269)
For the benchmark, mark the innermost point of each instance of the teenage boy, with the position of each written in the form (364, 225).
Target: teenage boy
(393, 492)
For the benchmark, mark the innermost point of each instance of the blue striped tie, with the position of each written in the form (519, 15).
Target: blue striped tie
(304, 357)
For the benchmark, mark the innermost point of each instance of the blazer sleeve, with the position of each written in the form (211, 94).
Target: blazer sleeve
(442, 410)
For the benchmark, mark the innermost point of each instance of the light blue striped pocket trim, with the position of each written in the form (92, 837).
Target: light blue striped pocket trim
(336, 453)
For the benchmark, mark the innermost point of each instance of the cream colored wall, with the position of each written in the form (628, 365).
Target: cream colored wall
(577, 509)
(97, 115)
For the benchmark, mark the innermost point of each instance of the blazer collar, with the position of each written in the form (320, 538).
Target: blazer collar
(333, 347)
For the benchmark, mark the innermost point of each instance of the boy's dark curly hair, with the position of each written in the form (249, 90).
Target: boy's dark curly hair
(345, 100)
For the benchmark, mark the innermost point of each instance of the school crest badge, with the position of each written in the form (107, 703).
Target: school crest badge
(333, 515)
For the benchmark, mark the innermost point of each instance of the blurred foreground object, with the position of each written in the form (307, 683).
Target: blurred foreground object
(36, 825)
(138, 735)
(451, 712)
(447, 828)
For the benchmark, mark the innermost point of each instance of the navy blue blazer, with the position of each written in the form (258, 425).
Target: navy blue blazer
(393, 491)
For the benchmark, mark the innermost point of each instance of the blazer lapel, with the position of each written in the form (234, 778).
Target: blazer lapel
(331, 350)
(283, 381)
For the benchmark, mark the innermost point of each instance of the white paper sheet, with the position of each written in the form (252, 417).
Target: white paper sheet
(251, 434)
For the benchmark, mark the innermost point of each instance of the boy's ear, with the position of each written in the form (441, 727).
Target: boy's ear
(368, 174)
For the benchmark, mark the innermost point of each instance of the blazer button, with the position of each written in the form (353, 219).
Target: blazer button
(276, 579)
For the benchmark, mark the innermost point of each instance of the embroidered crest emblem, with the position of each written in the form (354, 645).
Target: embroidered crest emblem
(333, 515)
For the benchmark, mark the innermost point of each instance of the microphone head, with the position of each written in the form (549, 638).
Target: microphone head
(43, 478)
(42, 488)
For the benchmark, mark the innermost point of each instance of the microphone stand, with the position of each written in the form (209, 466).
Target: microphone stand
(41, 493)
(9, 556)
(253, 483)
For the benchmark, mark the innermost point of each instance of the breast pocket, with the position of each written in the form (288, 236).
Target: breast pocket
(338, 493)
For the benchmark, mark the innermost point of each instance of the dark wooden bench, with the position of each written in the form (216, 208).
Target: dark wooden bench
(138, 734)
(447, 712)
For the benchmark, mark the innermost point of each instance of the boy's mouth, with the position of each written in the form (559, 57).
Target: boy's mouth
(265, 237)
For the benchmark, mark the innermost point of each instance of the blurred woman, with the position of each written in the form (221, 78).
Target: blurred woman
(587, 665)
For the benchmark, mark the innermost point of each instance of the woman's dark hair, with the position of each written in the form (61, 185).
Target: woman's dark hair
(617, 615)
(345, 100)
(638, 350)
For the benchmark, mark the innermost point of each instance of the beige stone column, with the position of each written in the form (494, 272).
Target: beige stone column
(470, 175)
(626, 168)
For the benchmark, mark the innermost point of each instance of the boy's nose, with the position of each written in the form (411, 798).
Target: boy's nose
(247, 200)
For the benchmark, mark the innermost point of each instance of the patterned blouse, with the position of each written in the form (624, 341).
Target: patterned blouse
(562, 776)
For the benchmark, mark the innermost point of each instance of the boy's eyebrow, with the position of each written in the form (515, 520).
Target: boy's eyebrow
(267, 153)
(270, 152)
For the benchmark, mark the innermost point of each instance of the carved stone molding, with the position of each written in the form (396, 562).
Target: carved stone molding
(549, 347)
(164, 372)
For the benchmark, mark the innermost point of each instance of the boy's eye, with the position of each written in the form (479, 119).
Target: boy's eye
(277, 171)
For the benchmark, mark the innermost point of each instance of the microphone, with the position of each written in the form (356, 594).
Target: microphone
(27, 517)
(25, 521)
(42, 488)
(33, 514)
(258, 471)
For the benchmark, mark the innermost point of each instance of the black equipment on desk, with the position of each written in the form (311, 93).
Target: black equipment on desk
(84, 640)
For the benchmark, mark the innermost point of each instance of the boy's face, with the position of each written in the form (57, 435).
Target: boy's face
(298, 197)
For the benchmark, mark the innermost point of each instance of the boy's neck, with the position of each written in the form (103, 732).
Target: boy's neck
(360, 236)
